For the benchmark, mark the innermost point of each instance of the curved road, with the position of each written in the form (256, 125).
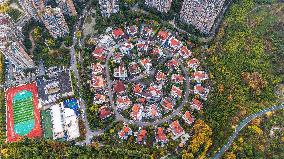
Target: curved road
(242, 124)
(119, 117)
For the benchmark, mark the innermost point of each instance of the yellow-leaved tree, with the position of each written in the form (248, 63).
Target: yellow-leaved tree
(201, 139)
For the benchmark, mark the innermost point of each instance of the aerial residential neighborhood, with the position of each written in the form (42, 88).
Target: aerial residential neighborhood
(141, 79)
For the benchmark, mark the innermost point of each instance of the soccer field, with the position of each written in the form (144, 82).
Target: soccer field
(23, 112)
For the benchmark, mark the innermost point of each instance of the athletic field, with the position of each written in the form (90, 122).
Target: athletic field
(22, 113)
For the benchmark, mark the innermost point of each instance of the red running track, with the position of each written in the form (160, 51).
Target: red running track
(10, 93)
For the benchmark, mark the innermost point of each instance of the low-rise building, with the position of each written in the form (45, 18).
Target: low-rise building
(97, 68)
(117, 33)
(119, 87)
(58, 85)
(141, 136)
(147, 65)
(203, 92)
(193, 63)
(167, 104)
(188, 118)
(99, 53)
(71, 124)
(146, 32)
(177, 78)
(137, 112)
(176, 92)
(120, 72)
(123, 102)
(160, 76)
(100, 98)
(132, 30)
(196, 104)
(176, 129)
(173, 64)
(157, 52)
(126, 47)
(199, 76)
(161, 137)
(64, 122)
(154, 91)
(125, 132)
(153, 111)
(163, 36)
(57, 121)
(134, 68)
(184, 52)
(174, 43)
(104, 112)
(138, 89)
(98, 82)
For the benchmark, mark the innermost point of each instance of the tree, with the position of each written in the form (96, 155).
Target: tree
(50, 42)
(201, 138)
(37, 33)
(254, 81)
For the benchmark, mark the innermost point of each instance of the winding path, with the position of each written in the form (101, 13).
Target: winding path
(242, 124)
(32, 41)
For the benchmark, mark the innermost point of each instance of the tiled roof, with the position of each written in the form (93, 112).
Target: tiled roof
(200, 88)
(137, 88)
(167, 104)
(193, 63)
(199, 75)
(141, 135)
(119, 87)
(176, 128)
(163, 35)
(184, 52)
(104, 112)
(197, 104)
(176, 91)
(161, 136)
(160, 76)
(117, 32)
(188, 117)
(174, 42)
(98, 81)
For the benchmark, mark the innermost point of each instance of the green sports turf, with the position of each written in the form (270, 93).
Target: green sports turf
(23, 111)
(46, 123)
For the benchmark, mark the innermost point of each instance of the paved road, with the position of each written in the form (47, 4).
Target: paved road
(73, 63)
(22, 22)
(242, 124)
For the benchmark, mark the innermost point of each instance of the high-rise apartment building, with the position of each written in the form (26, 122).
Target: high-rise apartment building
(108, 7)
(52, 18)
(13, 49)
(201, 13)
(32, 7)
(160, 5)
(67, 6)
(54, 21)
